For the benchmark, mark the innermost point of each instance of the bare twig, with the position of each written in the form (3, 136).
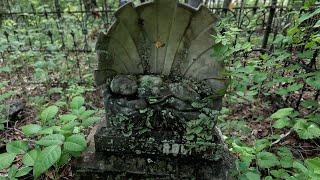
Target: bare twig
(282, 137)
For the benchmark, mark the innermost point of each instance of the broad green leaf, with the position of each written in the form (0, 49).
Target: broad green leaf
(260, 77)
(267, 159)
(286, 157)
(17, 147)
(90, 121)
(47, 158)
(23, 171)
(6, 160)
(30, 157)
(31, 129)
(306, 130)
(76, 143)
(313, 164)
(12, 172)
(53, 139)
(49, 113)
(252, 176)
(261, 144)
(86, 114)
(67, 118)
(281, 123)
(314, 81)
(281, 113)
(77, 102)
(299, 166)
(280, 173)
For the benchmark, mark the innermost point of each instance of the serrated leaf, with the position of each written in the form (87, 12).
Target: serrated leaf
(306, 130)
(31, 129)
(47, 158)
(23, 171)
(267, 159)
(281, 113)
(90, 121)
(17, 147)
(77, 102)
(30, 157)
(6, 160)
(53, 139)
(67, 118)
(49, 113)
(281, 123)
(286, 157)
(75, 143)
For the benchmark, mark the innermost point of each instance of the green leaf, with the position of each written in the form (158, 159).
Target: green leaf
(76, 143)
(30, 157)
(86, 114)
(313, 164)
(64, 159)
(90, 121)
(306, 130)
(317, 24)
(23, 171)
(31, 129)
(281, 123)
(6, 160)
(314, 81)
(67, 118)
(17, 147)
(280, 173)
(77, 102)
(49, 113)
(53, 139)
(12, 172)
(260, 77)
(252, 176)
(47, 158)
(267, 159)
(308, 15)
(286, 157)
(299, 166)
(281, 113)
(261, 144)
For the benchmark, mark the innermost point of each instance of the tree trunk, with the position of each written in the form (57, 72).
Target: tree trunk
(194, 3)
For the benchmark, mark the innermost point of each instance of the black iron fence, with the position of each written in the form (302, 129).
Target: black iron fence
(68, 29)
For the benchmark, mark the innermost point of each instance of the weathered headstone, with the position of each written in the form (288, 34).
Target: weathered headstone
(162, 94)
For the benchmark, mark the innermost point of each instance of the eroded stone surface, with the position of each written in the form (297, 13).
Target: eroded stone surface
(184, 92)
(124, 85)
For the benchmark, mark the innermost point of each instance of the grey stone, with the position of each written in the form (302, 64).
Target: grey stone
(178, 104)
(150, 81)
(184, 92)
(124, 85)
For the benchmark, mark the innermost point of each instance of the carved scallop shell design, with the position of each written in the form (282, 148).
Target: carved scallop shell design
(160, 37)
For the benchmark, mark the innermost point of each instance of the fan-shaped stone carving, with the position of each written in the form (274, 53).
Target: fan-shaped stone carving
(161, 37)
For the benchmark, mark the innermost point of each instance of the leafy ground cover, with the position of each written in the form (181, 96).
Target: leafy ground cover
(270, 117)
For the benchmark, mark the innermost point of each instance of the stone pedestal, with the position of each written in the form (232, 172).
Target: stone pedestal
(157, 128)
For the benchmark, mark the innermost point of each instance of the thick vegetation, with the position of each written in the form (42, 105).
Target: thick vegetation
(270, 117)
